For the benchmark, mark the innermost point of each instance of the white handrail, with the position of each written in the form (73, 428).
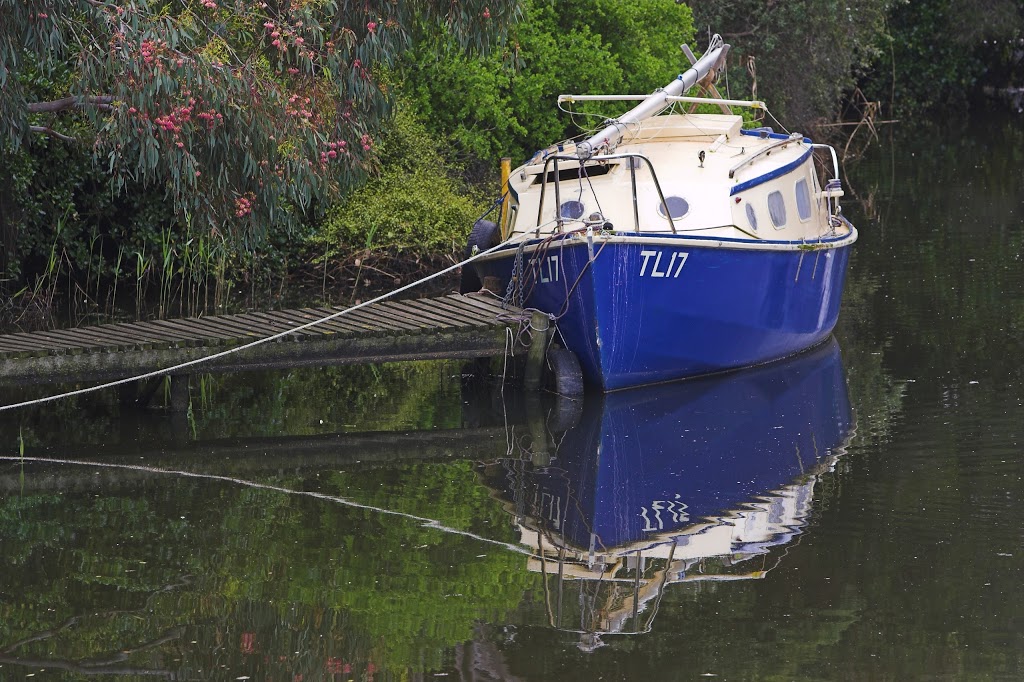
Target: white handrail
(752, 103)
(835, 160)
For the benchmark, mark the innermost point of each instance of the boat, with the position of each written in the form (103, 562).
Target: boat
(696, 481)
(672, 244)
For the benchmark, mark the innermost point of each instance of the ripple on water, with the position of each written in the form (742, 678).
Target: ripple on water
(945, 476)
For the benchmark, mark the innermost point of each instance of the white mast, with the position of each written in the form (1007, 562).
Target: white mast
(657, 102)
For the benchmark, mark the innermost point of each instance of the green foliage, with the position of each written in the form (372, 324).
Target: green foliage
(644, 38)
(307, 580)
(806, 53)
(504, 105)
(246, 114)
(413, 204)
(936, 53)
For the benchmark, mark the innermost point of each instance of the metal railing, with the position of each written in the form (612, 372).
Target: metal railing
(634, 160)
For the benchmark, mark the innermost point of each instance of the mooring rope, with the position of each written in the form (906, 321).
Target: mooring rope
(257, 342)
(424, 521)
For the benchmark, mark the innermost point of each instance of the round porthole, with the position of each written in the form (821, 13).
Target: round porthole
(571, 209)
(677, 207)
(752, 217)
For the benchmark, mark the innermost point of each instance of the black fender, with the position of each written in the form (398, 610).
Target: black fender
(484, 235)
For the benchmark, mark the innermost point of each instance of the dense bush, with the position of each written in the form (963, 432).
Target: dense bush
(413, 205)
(573, 46)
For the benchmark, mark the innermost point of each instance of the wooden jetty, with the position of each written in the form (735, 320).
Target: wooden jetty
(453, 326)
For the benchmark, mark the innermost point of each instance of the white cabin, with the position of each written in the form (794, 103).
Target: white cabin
(687, 174)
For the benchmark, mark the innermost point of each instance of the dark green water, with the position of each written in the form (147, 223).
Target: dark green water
(860, 517)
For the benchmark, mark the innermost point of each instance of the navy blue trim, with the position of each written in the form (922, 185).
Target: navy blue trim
(778, 172)
(759, 132)
(733, 240)
(826, 241)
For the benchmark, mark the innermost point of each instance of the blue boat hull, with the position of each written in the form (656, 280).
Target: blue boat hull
(658, 309)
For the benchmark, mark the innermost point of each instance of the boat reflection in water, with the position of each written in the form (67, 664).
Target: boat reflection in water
(696, 480)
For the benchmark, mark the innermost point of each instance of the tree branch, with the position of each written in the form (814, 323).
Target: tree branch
(43, 130)
(71, 102)
(742, 34)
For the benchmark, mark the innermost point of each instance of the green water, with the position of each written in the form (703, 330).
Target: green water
(368, 523)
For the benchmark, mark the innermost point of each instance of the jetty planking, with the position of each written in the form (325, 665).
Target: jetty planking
(451, 326)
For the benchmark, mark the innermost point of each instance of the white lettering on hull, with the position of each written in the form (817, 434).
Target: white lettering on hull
(547, 269)
(673, 266)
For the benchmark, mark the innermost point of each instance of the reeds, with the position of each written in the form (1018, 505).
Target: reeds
(33, 304)
(187, 274)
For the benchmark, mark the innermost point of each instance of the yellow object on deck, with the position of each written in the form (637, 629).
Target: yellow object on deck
(506, 171)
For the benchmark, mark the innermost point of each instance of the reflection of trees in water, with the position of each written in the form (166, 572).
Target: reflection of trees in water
(350, 589)
(106, 635)
(942, 258)
(931, 292)
(347, 590)
(298, 402)
(95, 664)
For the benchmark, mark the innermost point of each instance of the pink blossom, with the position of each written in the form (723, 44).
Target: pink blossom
(243, 206)
(372, 26)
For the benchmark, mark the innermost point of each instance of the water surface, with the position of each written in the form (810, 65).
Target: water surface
(851, 514)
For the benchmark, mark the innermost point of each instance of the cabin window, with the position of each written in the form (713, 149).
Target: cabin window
(777, 209)
(677, 207)
(575, 173)
(571, 209)
(752, 217)
(803, 200)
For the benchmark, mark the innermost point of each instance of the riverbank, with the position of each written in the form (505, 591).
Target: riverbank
(62, 301)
